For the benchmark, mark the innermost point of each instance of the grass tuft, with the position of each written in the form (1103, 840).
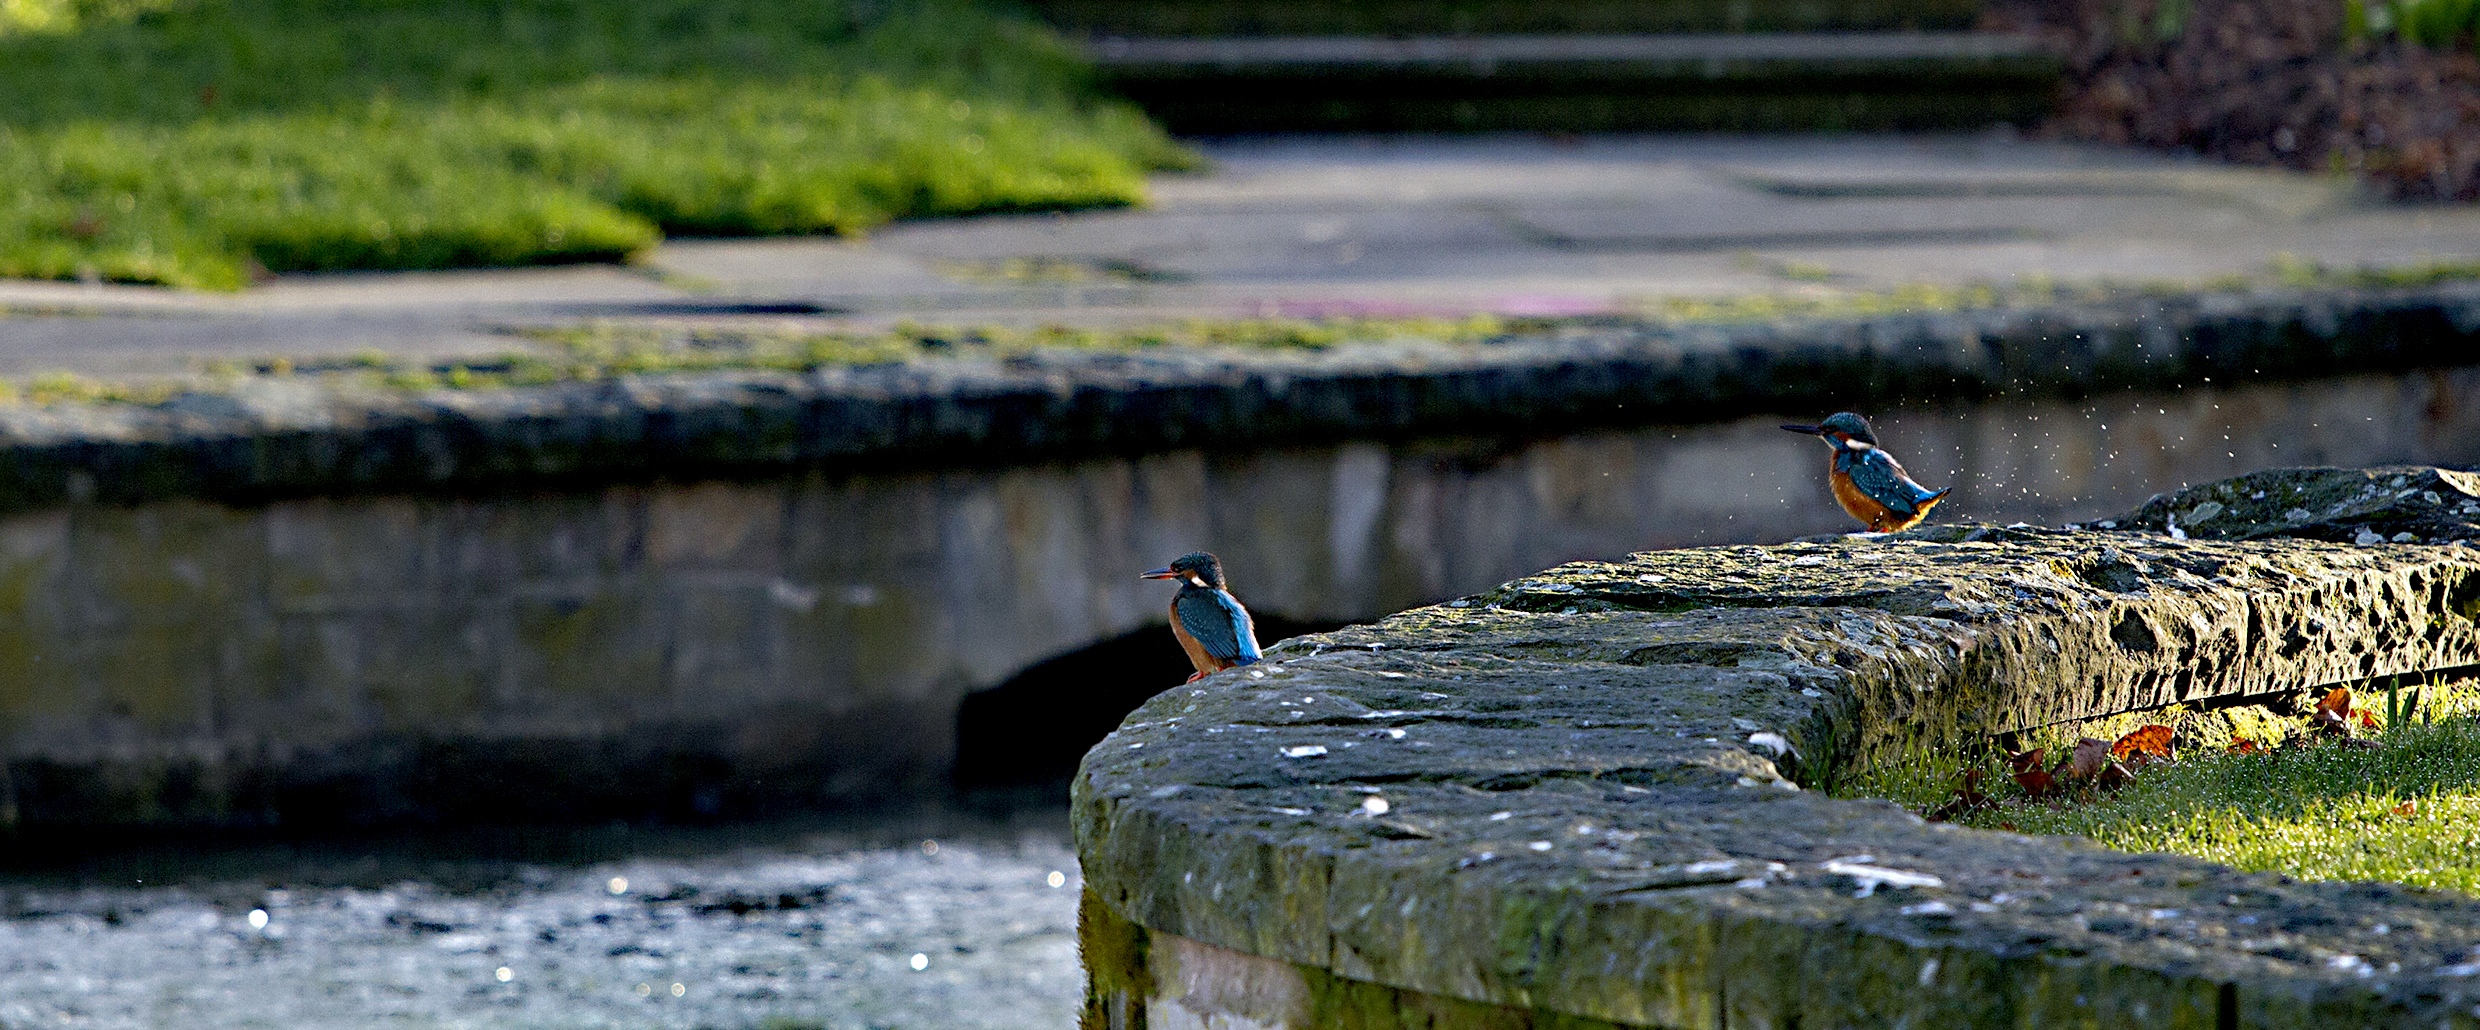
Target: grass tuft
(208, 142)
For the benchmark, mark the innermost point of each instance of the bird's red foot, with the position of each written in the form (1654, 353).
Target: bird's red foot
(1195, 676)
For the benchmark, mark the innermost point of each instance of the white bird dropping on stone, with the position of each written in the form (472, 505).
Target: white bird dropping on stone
(1304, 751)
(919, 962)
(617, 885)
(1870, 877)
(1374, 805)
(258, 919)
(1056, 879)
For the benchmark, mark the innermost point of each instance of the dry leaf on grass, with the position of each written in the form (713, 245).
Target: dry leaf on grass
(2026, 766)
(2088, 759)
(2333, 713)
(2144, 744)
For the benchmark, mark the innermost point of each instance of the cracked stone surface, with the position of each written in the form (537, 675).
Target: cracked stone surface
(1591, 793)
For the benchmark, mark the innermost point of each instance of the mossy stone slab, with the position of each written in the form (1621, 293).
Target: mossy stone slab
(1589, 795)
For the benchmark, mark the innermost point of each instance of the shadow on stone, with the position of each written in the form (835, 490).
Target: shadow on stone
(1030, 731)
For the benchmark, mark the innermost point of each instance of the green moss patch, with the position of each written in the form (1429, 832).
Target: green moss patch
(199, 144)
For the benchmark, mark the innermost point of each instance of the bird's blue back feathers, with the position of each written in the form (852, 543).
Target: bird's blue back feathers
(1218, 622)
(1878, 475)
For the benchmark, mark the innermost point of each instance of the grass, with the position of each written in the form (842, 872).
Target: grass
(1822, 300)
(600, 352)
(201, 143)
(605, 351)
(2407, 811)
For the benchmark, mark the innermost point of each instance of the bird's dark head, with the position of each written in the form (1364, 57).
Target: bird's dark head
(1839, 430)
(1200, 568)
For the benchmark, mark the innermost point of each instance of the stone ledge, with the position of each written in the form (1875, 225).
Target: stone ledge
(1593, 808)
(300, 436)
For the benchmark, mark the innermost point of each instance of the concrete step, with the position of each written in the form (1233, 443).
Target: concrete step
(1583, 83)
(1487, 17)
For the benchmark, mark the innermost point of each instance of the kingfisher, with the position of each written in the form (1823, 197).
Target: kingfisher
(1212, 627)
(1868, 482)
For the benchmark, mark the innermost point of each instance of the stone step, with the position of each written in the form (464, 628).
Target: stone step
(1484, 17)
(1582, 83)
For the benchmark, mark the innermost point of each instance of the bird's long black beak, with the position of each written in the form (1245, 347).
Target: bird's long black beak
(1160, 574)
(1810, 430)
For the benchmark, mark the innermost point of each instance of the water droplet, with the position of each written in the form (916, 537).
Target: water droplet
(645, 990)
(503, 974)
(929, 847)
(258, 919)
(919, 962)
(617, 885)
(1056, 879)
(680, 990)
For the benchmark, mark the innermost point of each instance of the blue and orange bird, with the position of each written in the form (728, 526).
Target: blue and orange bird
(1212, 627)
(1868, 482)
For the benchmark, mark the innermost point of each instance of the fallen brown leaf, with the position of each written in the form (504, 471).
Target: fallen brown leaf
(2029, 775)
(2408, 808)
(2150, 743)
(2333, 713)
(2089, 757)
(2244, 746)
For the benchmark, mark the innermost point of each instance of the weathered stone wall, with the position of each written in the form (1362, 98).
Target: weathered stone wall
(1577, 800)
(276, 437)
(678, 648)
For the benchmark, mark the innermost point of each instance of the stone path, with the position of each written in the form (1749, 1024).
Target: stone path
(1341, 225)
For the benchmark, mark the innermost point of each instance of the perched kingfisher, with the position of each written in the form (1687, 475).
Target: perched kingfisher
(1869, 483)
(1212, 627)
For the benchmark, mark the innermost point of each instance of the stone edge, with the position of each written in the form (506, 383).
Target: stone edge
(275, 437)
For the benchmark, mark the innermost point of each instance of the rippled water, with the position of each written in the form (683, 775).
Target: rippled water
(972, 929)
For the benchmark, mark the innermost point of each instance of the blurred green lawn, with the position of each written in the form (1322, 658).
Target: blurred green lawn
(199, 143)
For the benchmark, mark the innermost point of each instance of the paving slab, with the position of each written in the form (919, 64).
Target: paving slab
(1304, 226)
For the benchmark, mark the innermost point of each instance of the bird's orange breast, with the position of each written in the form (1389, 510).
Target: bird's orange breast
(1197, 656)
(1870, 510)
